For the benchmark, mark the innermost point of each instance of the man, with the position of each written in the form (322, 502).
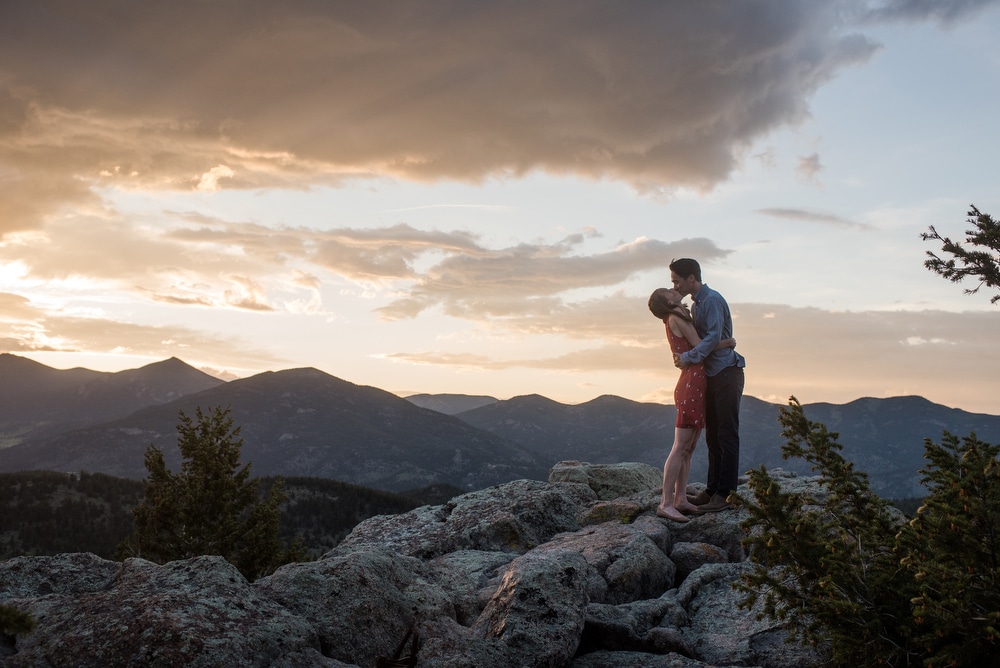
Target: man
(724, 368)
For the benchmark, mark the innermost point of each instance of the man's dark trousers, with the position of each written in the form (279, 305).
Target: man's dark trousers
(722, 430)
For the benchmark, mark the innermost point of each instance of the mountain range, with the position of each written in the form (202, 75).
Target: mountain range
(304, 422)
(298, 422)
(37, 400)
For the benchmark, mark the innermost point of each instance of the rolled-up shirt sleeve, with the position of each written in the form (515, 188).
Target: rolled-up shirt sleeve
(712, 314)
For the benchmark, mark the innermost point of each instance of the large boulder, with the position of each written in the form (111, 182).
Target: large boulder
(63, 575)
(627, 564)
(719, 632)
(539, 609)
(609, 481)
(375, 595)
(198, 612)
(626, 627)
(470, 578)
(513, 517)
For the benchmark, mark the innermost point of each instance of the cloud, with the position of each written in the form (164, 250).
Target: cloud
(945, 12)
(813, 217)
(250, 94)
(199, 261)
(27, 327)
(511, 282)
(810, 167)
(209, 263)
(811, 353)
(14, 308)
(209, 181)
(355, 253)
(246, 293)
(464, 361)
(179, 300)
(104, 254)
(807, 352)
(598, 358)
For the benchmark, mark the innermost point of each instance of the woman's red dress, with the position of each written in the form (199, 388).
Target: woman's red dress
(689, 395)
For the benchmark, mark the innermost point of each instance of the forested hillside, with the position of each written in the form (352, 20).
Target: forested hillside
(45, 513)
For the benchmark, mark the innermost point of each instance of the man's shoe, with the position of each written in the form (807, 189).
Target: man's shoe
(716, 503)
(700, 499)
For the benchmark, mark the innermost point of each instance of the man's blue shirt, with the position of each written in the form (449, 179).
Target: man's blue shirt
(714, 322)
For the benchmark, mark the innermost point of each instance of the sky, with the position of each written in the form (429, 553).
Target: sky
(478, 198)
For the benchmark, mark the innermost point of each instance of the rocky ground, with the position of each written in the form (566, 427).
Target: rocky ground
(577, 571)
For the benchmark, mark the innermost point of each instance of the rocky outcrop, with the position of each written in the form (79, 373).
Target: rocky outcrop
(576, 572)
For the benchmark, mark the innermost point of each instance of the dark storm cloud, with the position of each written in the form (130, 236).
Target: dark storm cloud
(249, 94)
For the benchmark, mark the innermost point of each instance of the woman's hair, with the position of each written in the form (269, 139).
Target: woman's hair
(661, 305)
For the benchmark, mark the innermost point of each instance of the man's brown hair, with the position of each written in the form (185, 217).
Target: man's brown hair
(685, 267)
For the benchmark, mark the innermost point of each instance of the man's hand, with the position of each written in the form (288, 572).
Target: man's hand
(677, 362)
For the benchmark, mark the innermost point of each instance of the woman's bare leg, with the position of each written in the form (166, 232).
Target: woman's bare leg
(687, 446)
(672, 469)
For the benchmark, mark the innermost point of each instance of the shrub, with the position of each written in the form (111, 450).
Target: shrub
(952, 550)
(846, 572)
(13, 621)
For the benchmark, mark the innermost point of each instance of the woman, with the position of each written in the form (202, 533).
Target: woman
(689, 398)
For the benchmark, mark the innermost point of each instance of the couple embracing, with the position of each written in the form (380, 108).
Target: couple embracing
(707, 395)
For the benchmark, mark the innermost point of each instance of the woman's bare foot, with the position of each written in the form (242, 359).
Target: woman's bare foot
(686, 507)
(671, 513)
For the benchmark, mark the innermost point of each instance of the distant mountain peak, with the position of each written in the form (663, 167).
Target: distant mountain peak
(534, 399)
(451, 404)
(12, 361)
(169, 363)
(168, 371)
(607, 400)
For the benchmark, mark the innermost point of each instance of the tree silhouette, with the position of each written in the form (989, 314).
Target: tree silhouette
(211, 506)
(952, 548)
(981, 261)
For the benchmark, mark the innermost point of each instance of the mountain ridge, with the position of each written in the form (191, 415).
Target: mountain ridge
(450, 404)
(306, 422)
(299, 422)
(884, 437)
(37, 401)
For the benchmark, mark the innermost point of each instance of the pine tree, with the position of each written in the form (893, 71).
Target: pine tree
(952, 549)
(848, 574)
(981, 262)
(827, 565)
(212, 505)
